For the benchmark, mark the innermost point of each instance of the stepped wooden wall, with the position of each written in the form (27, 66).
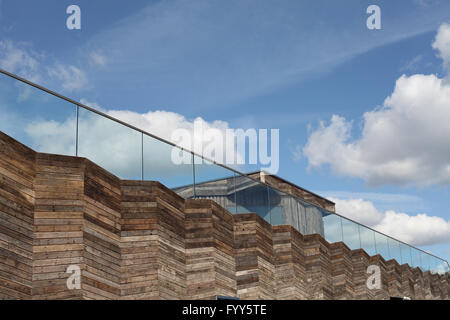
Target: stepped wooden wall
(17, 199)
(140, 240)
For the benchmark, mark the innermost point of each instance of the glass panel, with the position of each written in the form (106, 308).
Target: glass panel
(110, 145)
(169, 165)
(314, 220)
(252, 196)
(232, 192)
(425, 261)
(215, 182)
(381, 243)
(416, 259)
(290, 210)
(350, 233)
(394, 249)
(37, 119)
(332, 227)
(277, 215)
(301, 217)
(283, 208)
(406, 253)
(367, 240)
(433, 264)
(438, 265)
(294, 219)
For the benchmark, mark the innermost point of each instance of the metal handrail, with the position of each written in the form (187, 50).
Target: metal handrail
(58, 95)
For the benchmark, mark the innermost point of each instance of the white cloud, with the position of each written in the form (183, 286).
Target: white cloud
(19, 58)
(24, 93)
(71, 77)
(442, 43)
(118, 148)
(382, 201)
(91, 104)
(297, 153)
(359, 210)
(403, 142)
(257, 47)
(97, 59)
(417, 230)
(44, 133)
(377, 197)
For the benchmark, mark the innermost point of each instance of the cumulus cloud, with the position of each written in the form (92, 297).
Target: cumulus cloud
(44, 133)
(403, 142)
(418, 230)
(359, 210)
(442, 43)
(162, 123)
(118, 148)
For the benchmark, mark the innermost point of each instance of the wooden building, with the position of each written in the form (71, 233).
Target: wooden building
(141, 240)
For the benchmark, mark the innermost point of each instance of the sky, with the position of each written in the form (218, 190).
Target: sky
(363, 115)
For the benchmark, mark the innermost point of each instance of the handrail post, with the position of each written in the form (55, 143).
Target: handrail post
(76, 134)
(142, 155)
(193, 175)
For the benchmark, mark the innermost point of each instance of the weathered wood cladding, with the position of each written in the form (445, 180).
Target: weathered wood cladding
(58, 225)
(254, 257)
(140, 240)
(101, 234)
(210, 263)
(17, 199)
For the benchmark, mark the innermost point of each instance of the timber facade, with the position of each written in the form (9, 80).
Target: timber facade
(140, 240)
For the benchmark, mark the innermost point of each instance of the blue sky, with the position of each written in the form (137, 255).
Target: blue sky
(250, 64)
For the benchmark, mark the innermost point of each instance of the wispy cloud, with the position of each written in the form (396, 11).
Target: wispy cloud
(211, 58)
(413, 64)
(22, 59)
(71, 78)
(97, 59)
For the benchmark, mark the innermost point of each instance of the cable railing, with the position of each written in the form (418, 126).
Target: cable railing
(52, 123)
